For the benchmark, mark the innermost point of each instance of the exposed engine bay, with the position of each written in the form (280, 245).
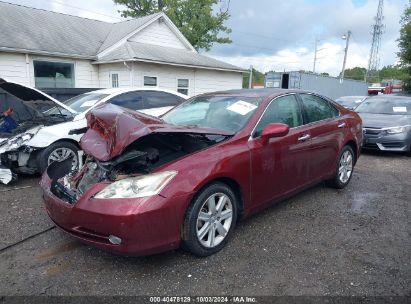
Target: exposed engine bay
(141, 157)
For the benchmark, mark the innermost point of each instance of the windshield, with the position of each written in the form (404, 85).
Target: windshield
(83, 102)
(228, 113)
(386, 106)
(350, 101)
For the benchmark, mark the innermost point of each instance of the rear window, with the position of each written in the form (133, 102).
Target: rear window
(392, 106)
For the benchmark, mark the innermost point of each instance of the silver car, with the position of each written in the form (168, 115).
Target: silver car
(386, 123)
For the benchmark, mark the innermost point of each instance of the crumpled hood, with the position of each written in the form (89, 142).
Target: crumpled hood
(384, 120)
(110, 129)
(32, 97)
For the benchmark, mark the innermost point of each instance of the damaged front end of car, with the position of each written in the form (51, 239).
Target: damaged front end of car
(123, 151)
(36, 110)
(16, 156)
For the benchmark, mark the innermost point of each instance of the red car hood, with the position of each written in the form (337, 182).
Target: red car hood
(110, 129)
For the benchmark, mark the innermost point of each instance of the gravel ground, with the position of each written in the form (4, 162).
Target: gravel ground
(355, 241)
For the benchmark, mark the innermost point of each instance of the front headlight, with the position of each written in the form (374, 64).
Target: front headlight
(139, 186)
(397, 130)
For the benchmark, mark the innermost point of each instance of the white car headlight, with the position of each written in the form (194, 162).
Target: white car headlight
(397, 130)
(139, 186)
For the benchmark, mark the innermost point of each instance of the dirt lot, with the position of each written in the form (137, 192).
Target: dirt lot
(355, 241)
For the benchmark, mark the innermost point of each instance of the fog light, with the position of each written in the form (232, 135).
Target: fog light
(115, 240)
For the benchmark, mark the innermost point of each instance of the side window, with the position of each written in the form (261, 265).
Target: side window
(281, 110)
(150, 81)
(317, 108)
(182, 86)
(156, 99)
(131, 100)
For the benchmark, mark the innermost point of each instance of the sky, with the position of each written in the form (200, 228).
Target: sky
(280, 34)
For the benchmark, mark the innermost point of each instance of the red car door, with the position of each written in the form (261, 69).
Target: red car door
(280, 165)
(327, 132)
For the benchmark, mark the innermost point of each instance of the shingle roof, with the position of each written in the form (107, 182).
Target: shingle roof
(148, 52)
(44, 31)
(39, 31)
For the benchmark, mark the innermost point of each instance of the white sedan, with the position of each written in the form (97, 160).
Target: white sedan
(43, 136)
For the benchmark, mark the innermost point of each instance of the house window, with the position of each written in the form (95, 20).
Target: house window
(150, 81)
(114, 80)
(49, 74)
(182, 86)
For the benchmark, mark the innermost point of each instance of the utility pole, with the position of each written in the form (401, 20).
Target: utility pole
(347, 38)
(250, 81)
(377, 31)
(315, 54)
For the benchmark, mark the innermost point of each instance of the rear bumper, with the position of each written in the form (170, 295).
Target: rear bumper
(394, 142)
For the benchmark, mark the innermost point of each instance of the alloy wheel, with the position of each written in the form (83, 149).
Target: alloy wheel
(214, 220)
(61, 154)
(346, 166)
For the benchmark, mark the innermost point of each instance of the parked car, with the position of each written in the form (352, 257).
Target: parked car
(387, 123)
(44, 136)
(351, 102)
(185, 179)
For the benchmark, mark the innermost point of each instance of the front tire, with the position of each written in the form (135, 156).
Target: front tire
(345, 168)
(210, 220)
(58, 151)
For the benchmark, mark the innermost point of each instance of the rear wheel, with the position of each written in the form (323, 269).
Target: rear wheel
(58, 151)
(345, 168)
(210, 220)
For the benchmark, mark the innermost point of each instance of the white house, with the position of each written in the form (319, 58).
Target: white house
(51, 50)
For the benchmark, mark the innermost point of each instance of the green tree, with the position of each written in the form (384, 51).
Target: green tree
(404, 44)
(393, 72)
(356, 73)
(258, 77)
(200, 21)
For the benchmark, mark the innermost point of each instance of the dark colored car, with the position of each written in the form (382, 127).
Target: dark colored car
(150, 185)
(387, 123)
(351, 102)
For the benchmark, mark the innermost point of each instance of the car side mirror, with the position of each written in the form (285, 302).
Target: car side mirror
(274, 130)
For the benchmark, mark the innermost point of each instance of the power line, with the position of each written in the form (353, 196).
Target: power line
(85, 10)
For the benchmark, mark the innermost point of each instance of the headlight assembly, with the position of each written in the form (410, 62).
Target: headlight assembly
(397, 130)
(139, 186)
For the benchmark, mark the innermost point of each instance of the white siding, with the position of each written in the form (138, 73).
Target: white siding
(200, 80)
(210, 81)
(158, 33)
(13, 67)
(86, 74)
(124, 74)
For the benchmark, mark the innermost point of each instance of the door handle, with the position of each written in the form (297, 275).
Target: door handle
(342, 125)
(304, 137)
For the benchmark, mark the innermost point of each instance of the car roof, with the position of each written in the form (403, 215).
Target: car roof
(263, 93)
(115, 91)
(390, 97)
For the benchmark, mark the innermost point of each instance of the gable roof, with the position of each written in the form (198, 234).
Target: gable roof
(136, 51)
(37, 31)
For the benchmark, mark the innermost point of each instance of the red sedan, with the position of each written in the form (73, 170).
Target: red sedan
(149, 185)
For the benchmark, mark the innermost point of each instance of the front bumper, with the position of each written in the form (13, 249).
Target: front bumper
(387, 142)
(145, 226)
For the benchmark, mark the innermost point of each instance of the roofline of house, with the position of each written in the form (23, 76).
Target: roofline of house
(170, 63)
(40, 52)
(155, 17)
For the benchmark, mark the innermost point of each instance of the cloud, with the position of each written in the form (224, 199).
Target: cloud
(284, 27)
